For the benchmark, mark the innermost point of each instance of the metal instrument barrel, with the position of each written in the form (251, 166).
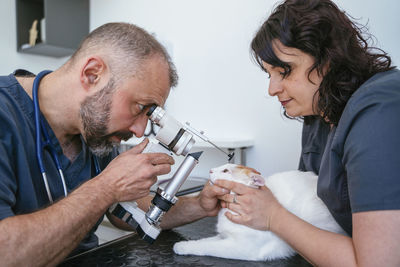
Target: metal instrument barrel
(180, 175)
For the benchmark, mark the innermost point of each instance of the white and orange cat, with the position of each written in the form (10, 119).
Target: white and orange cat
(295, 190)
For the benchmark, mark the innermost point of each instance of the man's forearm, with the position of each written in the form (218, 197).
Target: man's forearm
(186, 210)
(47, 236)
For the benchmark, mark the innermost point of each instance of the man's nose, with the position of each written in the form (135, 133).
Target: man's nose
(275, 87)
(139, 126)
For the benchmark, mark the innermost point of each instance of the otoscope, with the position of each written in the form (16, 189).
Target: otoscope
(172, 137)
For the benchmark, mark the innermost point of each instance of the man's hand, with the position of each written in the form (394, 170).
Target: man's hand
(130, 175)
(47, 236)
(208, 198)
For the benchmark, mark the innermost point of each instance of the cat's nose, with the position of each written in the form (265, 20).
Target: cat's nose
(211, 171)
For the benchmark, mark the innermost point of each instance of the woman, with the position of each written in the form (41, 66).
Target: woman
(322, 70)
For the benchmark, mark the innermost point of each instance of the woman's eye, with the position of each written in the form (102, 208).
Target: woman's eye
(141, 107)
(265, 70)
(285, 73)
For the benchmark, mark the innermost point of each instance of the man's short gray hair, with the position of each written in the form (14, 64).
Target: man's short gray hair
(125, 47)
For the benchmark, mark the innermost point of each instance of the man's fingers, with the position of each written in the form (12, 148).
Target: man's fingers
(139, 147)
(161, 169)
(154, 180)
(161, 158)
(224, 204)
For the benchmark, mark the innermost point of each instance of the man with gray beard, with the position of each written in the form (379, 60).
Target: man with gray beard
(99, 97)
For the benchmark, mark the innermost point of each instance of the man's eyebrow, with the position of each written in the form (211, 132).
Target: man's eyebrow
(148, 102)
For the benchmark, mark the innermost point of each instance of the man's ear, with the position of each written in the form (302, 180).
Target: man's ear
(91, 72)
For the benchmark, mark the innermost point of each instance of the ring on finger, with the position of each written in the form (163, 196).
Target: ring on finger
(234, 199)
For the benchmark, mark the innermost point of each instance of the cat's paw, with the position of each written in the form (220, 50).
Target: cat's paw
(180, 248)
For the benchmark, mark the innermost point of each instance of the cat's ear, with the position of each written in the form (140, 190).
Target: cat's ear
(257, 180)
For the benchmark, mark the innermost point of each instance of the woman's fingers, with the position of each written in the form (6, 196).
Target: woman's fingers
(230, 198)
(236, 218)
(238, 188)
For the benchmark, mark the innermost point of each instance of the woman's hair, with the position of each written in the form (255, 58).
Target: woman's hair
(320, 29)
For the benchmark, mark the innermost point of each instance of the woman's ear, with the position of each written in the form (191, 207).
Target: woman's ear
(325, 69)
(92, 71)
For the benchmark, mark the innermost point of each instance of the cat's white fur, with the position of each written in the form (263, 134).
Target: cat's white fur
(295, 190)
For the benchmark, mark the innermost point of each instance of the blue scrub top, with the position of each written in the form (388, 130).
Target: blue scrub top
(22, 189)
(358, 161)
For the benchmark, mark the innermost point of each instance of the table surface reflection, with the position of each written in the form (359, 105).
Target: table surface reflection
(132, 251)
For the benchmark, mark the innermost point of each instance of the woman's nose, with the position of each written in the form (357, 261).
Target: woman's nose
(275, 87)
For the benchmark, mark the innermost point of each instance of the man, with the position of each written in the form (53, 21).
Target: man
(97, 98)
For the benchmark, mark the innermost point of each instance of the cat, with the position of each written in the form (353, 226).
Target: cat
(295, 190)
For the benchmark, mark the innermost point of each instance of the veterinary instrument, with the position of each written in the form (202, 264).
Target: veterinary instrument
(172, 137)
(45, 143)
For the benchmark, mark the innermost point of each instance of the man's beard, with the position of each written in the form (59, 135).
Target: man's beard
(95, 113)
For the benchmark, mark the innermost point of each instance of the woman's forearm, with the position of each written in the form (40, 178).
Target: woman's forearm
(319, 247)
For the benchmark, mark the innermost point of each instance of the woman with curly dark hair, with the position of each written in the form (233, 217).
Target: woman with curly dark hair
(322, 70)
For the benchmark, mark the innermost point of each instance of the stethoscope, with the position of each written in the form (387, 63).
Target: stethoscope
(41, 145)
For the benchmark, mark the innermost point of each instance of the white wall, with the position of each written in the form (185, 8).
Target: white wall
(221, 90)
(383, 20)
(10, 60)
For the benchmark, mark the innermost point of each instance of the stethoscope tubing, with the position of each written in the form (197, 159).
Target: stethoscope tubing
(40, 130)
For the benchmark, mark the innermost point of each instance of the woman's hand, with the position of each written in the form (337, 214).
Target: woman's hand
(255, 207)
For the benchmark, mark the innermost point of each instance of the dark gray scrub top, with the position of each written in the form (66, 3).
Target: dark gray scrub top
(358, 162)
(22, 188)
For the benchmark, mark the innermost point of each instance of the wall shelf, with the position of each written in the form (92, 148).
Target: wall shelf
(66, 24)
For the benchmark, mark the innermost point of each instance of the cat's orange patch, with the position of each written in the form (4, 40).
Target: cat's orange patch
(247, 170)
